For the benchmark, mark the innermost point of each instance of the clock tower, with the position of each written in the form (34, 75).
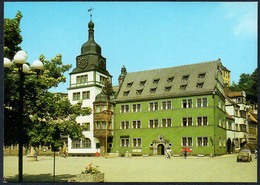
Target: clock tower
(86, 81)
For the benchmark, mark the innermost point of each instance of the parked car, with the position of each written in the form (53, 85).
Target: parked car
(244, 155)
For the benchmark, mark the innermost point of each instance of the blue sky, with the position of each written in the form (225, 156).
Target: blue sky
(142, 35)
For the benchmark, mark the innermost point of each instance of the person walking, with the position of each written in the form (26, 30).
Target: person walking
(65, 152)
(185, 154)
(168, 153)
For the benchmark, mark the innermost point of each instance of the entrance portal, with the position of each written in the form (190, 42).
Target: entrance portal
(160, 149)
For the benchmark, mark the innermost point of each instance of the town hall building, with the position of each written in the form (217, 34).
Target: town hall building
(153, 110)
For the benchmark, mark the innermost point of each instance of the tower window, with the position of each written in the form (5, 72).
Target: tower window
(76, 96)
(103, 79)
(86, 95)
(82, 79)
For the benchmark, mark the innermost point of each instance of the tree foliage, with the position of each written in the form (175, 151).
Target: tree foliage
(12, 36)
(247, 83)
(108, 88)
(47, 115)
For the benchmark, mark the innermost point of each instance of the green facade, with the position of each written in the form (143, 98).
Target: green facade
(214, 131)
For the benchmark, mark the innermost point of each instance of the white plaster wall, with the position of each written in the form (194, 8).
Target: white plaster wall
(94, 90)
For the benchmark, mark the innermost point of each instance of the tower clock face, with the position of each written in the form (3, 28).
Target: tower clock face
(83, 62)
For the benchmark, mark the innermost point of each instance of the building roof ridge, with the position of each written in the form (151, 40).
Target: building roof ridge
(157, 69)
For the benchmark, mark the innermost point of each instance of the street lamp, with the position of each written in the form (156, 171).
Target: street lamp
(19, 61)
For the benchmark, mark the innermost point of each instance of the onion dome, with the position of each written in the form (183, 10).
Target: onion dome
(91, 47)
(101, 98)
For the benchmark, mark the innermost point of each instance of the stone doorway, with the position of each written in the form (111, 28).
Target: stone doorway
(160, 149)
(159, 145)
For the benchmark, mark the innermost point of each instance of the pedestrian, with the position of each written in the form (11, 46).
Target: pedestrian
(65, 152)
(185, 154)
(168, 153)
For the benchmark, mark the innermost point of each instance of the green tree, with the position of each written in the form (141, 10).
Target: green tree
(47, 115)
(247, 83)
(108, 88)
(12, 36)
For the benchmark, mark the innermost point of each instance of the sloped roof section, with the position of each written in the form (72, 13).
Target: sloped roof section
(183, 80)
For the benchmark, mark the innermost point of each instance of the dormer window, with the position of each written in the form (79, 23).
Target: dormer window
(130, 84)
(126, 93)
(142, 83)
(183, 87)
(138, 92)
(152, 90)
(185, 77)
(199, 85)
(167, 89)
(170, 79)
(156, 81)
(202, 75)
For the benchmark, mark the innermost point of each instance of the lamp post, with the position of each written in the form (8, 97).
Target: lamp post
(19, 62)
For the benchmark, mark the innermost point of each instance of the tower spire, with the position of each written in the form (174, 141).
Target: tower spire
(90, 10)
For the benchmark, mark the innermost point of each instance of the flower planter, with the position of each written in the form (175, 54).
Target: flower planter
(99, 177)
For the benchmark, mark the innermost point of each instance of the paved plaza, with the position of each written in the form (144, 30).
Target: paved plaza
(137, 169)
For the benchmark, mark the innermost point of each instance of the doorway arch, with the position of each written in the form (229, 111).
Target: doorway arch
(160, 149)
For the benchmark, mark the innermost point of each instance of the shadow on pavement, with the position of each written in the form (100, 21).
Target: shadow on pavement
(40, 178)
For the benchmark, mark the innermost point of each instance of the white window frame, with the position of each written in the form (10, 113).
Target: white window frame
(168, 122)
(186, 144)
(187, 121)
(136, 142)
(153, 123)
(203, 140)
(138, 124)
(187, 102)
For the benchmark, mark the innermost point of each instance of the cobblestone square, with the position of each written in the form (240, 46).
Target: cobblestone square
(137, 169)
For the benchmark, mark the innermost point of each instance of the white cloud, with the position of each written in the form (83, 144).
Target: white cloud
(243, 16)
(246, 26)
